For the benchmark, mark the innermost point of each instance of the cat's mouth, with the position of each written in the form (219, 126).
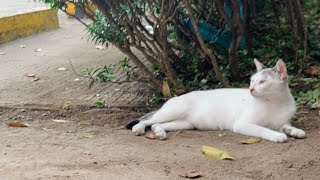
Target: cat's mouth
(253, 93)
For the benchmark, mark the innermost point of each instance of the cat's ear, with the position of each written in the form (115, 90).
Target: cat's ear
(281, 69)
(258, 64)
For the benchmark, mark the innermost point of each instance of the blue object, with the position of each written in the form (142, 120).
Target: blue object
(213, 34)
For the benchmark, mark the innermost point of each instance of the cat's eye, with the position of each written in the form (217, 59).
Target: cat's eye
(262, 81)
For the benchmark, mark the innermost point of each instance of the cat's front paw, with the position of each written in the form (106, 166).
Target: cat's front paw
(159, 132)
(278, 137)
(297, 133)
(139, 129)
(293, 132)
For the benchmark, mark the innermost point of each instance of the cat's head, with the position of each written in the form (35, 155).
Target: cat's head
(269, 82)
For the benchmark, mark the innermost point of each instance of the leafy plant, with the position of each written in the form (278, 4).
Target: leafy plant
(168, 40)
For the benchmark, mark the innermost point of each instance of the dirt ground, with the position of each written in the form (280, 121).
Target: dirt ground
(93, 143)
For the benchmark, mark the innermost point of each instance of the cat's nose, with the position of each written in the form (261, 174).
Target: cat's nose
(251, 89)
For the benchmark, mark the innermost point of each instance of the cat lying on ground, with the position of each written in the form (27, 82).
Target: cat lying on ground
(264, 110)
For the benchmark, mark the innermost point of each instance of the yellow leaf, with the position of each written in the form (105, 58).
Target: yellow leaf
(67, 105)
(166, 89)
(251, 141)
(216, 153)
(15, 124)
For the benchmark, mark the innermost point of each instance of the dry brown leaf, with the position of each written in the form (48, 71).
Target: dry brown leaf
(166, 89)
(29, 75)
(38, 50)
(15, 124)
(150, 135)
(35, 79)
(191, 175)
(251, 141)
(312, 70)
(180, 91)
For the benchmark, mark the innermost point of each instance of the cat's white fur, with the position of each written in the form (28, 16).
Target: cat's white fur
(264, 110)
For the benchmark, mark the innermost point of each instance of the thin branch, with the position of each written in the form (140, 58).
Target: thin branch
(207, 51)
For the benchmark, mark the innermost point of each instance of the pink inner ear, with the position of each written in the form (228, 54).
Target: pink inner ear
(282, 69)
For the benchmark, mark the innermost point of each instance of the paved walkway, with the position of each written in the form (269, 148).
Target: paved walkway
(55, 86)
(13, 7)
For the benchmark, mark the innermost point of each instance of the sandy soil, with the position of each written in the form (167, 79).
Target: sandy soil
(93, 144)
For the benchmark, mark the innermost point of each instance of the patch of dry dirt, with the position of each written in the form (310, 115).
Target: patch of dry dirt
(95, 145)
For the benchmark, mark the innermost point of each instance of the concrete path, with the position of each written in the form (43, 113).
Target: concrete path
(10, 7)
(54, 86)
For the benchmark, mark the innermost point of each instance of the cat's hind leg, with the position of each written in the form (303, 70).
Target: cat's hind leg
(160, 129)
(165, 114)
(293, 132)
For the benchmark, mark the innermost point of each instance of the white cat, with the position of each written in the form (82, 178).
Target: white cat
(264, 110)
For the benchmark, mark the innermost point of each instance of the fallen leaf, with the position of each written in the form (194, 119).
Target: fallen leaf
(89, 135)
(225, 134)
(251, 141)
(15, 124)
(315, 105)
(191, 175)
(67, 105)
(312, 70)
(22, 46)
(29, 75)
(60, 121)
(216, 153)
(2, 53)
(166, 89)
(100, 47)
(62, 69)
(38, 50)
(150, 135)
(180, 91)
(35, 79)
(100, 104)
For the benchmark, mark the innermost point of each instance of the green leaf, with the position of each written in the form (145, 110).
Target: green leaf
(100, 104)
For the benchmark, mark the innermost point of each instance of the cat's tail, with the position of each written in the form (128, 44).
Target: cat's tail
(143, 118)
